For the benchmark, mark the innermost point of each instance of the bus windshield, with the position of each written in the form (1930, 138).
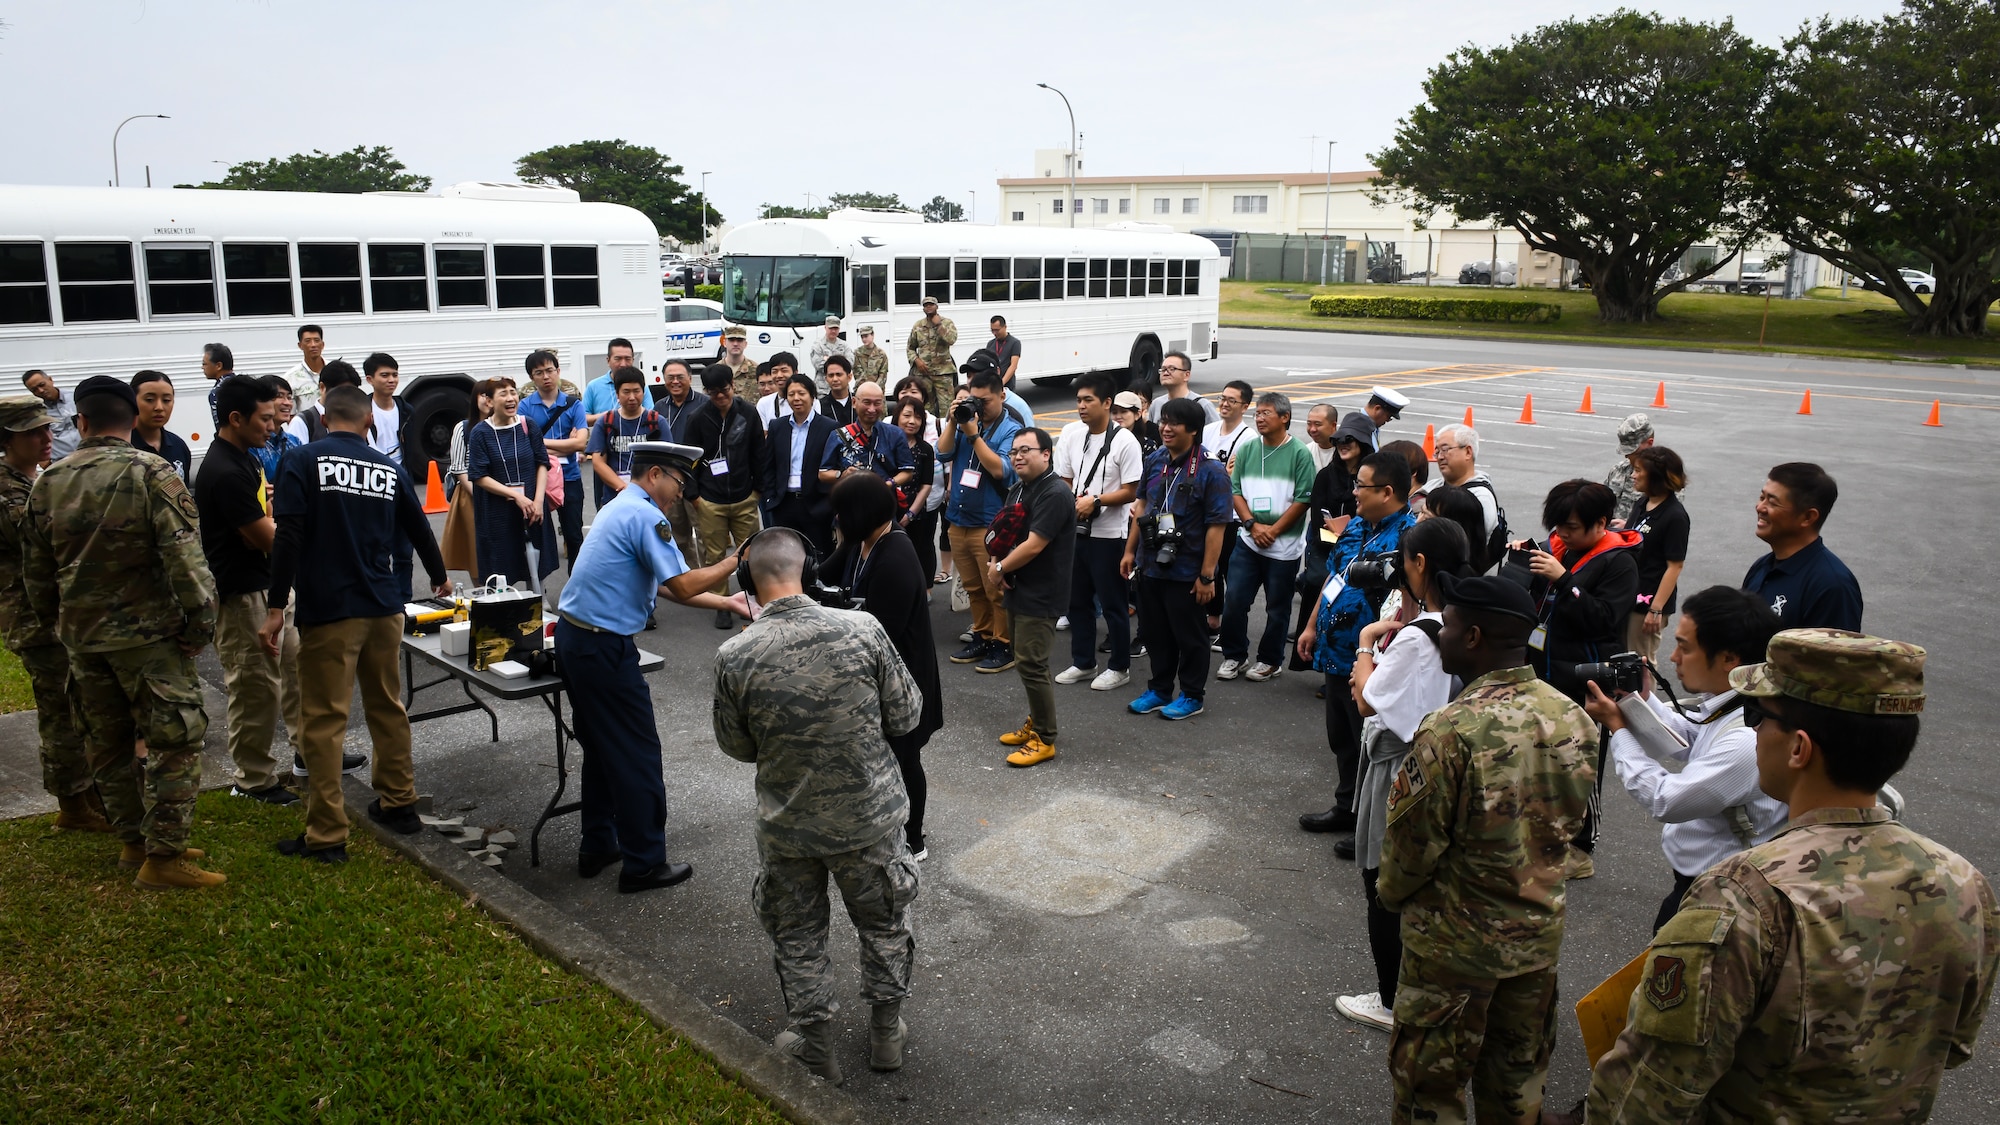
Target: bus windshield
(787, 292)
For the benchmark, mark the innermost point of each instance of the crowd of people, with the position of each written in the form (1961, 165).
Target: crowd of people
(1476, 680)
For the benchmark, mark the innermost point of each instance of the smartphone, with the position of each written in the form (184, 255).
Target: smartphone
(1520, 556)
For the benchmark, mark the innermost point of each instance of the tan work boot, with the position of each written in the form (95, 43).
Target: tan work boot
(164, 873)
(1019, 737)
(1579, 864)
(82, 812)
(812, 1044)
(131, 857)
(886, 1032)
(1033, 754)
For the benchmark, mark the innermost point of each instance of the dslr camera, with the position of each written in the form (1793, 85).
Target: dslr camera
(1383, 571)
(830, 596)
(963, 411)
(1165, 547)
(1623, 672)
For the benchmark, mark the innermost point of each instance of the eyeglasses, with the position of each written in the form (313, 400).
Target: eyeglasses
(1172, 367)
(1359, 486)
(1020, 449)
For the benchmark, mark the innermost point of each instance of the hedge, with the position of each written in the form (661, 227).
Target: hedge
(1437, 308)
(708, 292)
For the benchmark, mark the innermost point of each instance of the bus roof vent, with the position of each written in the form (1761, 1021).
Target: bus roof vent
(489, 189)
(876, 215)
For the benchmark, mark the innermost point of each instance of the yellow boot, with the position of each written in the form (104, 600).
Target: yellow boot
(132, 857)
(1033, 754)
(1020, 737)
(164, 873)
(82, 812)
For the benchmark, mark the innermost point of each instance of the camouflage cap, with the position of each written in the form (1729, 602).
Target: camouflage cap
(929, 300)
(1838, 669)
(867, 330)
(735, 332)
(22, 413)
(1633, 433)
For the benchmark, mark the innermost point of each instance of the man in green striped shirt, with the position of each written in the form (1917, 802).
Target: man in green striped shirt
(1272, 484)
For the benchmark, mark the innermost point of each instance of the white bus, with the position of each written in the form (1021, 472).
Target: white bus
(1110, 299)
(457, 286)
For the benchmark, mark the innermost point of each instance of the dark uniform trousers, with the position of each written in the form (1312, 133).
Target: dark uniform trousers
(624, 791)
(1452, 1029)
(795, 512)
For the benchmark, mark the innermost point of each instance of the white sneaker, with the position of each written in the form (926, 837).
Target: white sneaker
(1110, 678)
(1366, 1008)
(1063, 621)
(966, 636)
(922, 855)
(1073, 675)
(1230, 670)
(1260, 671)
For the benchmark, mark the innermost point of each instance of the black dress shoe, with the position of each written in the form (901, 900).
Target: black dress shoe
(651, 623)
(588, 864)
(724, 619)
(1332, 820)
(296, 847)
(1344, 848)
(665, 875)
(401, 819)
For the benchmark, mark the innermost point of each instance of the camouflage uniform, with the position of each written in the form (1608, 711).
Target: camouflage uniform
(871, 365)
(114, 558)
(1830, 974)
(823, 349)
(745, 371)
(933, 346)
(1633, 433)
(1479, 823)
(65, 769)
(808, 694)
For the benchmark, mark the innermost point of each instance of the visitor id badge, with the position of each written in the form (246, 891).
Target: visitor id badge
(970, 478)
(719, 467)
(1538, 638)
(626, 477)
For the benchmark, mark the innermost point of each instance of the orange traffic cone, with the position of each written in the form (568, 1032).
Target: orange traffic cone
(1660, 396)
(434, 501)
(1586, 407)
(1430, 441)
(1805, 407)
(1528, 411)
(1933, 420)
(1468, 417)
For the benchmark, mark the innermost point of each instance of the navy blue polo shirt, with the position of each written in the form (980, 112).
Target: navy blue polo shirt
(347, 496)
(1812, 589)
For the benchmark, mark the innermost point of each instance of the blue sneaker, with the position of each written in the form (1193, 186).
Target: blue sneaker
(1183, 707)
(1148, 703)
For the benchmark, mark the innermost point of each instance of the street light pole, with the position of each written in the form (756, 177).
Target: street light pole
(115, 180)
(1326, 213)
(1071, 205)
(704, 214)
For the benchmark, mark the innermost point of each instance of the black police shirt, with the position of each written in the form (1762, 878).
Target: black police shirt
(348, 497)
(228, 494)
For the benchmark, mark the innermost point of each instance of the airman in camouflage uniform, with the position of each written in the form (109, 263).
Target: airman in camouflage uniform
(740, 365)
(114, 559)
(828, 346)
(929, 346)
(1834, 972)
(1634, 433)
(1479, 822)
(25, 438)
(871, 363)
(808, 694)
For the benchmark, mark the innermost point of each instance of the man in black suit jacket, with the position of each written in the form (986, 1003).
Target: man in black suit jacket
(794, 447)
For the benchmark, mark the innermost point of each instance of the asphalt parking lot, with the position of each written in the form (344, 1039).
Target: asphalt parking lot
(1137, 931)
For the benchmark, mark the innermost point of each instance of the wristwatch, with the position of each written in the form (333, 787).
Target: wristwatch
(1208, 578)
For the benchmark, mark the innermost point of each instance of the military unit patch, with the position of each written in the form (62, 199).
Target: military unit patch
(1666, 986)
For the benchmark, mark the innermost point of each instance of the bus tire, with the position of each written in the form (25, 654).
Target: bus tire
(439, 408)
(1145, 363)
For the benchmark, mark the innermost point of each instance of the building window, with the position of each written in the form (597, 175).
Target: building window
(180, 280)
(461, 272)
(329, 277)
(1162, 205)
(521, 276)
(1125, 207)
(1058, 206)
(96, 281)
(575, 269)
(1190, 205)
(24, 284)
(1076, 206)
(1019, 215)
(258, 278)
(1100, 206)
(396, 278)
(1251, 204)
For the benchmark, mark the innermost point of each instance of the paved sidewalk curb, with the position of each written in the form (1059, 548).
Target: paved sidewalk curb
(741, 1055)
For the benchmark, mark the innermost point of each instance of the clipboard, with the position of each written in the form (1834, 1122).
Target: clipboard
(1600, 1015)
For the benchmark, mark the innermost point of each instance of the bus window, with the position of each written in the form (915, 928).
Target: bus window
(461, 273)
(1156, 278)
(937, 279)
(1174, 277)
(180, 281)
(396, 278)
(96, 281)
(1052, 279)
(258, 278)
(329, 277)
(521, 277)
(1097, 277)
(789, 292)
(965, 280)
(1193, 271)
(1118, 277)
(1027, 279)
(871, 289)
(24, 284)
(575, 269)
(909, 281)
(1076, 267)
(992, 279)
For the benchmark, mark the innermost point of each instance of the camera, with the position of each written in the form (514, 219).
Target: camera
(962, 412)
(1623, 672)
(1165, 547)
(832, 597)
(1382, 571)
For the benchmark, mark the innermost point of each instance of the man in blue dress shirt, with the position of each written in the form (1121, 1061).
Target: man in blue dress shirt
(627, 560)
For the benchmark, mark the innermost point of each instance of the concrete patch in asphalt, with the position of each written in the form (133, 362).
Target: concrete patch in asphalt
(1080, 855)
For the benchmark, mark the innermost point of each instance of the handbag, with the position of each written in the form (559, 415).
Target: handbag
(1007, 531)
(460, 541)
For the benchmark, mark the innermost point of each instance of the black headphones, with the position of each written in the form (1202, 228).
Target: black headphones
(808, 574)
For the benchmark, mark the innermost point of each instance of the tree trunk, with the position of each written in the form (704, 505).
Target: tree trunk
(1956, 309)
(1624, 293)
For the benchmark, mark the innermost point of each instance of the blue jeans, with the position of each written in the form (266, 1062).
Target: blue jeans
(1248, 573)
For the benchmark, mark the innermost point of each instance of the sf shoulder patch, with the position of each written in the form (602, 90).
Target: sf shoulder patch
(1666, 985)
(1411, 783)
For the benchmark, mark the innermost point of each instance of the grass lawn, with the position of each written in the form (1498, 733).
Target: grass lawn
(295, 992)
(1861, 324)
(14, 692)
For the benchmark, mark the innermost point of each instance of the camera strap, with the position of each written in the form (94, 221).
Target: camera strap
(1110, 432)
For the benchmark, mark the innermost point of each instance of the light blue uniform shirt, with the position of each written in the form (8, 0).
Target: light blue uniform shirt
(627, 556)
(599, 395)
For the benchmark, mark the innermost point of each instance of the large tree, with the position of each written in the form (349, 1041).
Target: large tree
(834, 202)
(636, 176)
(942, 210)
(1883, 139)
(358, 169)
(1618, 141)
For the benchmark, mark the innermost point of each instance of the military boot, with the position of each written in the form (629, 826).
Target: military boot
(170, 873)
(811, 1044)
(886, 1032)
(131, 857)
(82, 812)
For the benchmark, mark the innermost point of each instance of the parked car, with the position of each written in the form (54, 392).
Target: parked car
(1482, 272)
(694, 328)
(1918, 280)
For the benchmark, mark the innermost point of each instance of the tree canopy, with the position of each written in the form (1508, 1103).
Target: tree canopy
(635, 176)
(358, 169)
(1883, 144)
(1618, 141)
(942, 210)
(839, 199)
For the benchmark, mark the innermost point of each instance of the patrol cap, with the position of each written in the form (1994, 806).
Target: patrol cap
(1390, 399)
(735, 332)
(867, 329)
(106, 385)
(929, 300)
(1633, 433)
(1129, 400)
(1487, 593)
(1838, 669)
(833, 322)
(21, 413)
(672, 455)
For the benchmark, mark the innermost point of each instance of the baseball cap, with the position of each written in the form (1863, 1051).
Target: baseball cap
(21, 413)
(1835, 668)
(1633, 433)
(1487, 593)
(1128, 400)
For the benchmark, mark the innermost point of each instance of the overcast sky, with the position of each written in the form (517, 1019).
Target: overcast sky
(775, 99)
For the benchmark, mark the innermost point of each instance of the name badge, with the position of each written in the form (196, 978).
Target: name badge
(1538, 638)
(970, 478)
(719, 467)
(626, 477)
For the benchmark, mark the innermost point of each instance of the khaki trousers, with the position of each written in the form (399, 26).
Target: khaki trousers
(259, 689)
(968, 556)
(680, 517)
(722, 527)
(333, 659)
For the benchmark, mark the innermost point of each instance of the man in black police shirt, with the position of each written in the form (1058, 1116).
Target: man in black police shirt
(1805, 584)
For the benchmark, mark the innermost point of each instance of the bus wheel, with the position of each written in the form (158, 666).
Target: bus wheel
(1145, 366)
(439, 410)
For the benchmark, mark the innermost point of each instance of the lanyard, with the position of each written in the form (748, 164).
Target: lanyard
(508, 450)
(618, 431)
(673, 413)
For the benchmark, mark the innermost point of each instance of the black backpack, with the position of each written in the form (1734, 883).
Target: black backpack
(1496, 543)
